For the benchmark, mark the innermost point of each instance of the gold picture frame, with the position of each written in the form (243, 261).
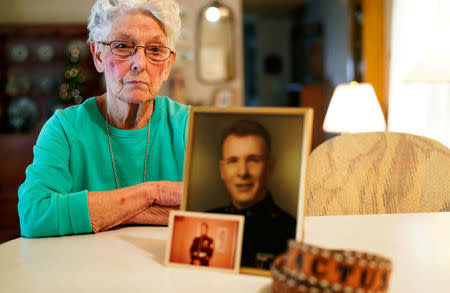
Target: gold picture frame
(290, 130)
(216, 241)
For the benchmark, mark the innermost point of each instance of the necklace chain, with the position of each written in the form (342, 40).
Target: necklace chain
(112, 155)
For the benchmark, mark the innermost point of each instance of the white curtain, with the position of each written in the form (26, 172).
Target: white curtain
(417, 107)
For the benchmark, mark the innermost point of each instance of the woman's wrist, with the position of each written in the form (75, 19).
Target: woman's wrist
(151, 192)
(153, 215)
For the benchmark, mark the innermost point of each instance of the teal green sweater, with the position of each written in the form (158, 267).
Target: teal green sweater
(72, 157)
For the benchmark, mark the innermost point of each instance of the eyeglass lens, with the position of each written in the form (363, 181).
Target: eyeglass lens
(125, 49)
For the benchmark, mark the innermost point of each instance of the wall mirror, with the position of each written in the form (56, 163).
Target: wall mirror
(215, 44)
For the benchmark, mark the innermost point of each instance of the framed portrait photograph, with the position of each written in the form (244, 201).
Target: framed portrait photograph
(204, 241)
(250, 162)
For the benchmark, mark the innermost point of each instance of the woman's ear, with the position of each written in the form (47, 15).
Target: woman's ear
(169, 64)
(97, 56)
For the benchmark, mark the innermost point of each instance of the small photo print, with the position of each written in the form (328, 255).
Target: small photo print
(204, 240)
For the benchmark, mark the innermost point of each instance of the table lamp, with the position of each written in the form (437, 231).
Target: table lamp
(354, 107)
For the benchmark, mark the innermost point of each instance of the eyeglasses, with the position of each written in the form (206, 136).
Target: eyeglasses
(126, 49)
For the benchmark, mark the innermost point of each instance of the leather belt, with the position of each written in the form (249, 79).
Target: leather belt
(308, 268)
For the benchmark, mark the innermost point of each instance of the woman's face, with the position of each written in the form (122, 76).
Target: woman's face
(134, 79)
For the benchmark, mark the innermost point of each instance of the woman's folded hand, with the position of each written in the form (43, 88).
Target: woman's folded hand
(167, 193)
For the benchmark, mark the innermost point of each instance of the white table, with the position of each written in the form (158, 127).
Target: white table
(131, 259)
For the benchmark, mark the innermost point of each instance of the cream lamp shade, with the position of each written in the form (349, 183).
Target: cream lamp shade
(354, 107)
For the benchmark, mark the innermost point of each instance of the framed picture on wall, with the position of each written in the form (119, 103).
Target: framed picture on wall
(250, 162)
(204, 241)
(224, 97)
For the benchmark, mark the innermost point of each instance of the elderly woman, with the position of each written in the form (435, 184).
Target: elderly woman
(117, 158)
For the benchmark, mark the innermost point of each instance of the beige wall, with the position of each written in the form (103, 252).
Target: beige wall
(196, 92)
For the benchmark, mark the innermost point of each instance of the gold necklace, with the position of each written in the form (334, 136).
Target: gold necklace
(112, 155)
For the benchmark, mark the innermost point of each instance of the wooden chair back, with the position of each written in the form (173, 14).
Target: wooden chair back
(378, 173)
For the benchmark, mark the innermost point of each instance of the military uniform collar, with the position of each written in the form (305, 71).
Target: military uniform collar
(263, 207)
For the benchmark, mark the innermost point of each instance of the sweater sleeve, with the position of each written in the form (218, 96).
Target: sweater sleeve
(47, 205)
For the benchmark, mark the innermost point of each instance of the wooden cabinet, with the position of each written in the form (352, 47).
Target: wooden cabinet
(315, 96)
(16, 154)
(42, 68)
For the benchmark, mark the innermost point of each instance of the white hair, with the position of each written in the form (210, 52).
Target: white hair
(104, 11)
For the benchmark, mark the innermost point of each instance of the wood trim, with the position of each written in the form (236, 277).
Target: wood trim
(373, 47)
